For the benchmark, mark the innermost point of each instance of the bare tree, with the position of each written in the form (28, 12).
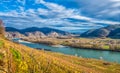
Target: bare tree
(2, 29)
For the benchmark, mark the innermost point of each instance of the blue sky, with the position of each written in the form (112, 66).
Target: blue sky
(69, 15)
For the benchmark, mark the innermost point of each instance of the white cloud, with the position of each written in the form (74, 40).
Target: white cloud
(81, 17)
(12, 13)
(54, 15)
(23, 2)
(30, 11)
(43, 11)
(115, 0)
(105, 22)
(101, 9)
(116, 5)
(21, 8)
(110, 12)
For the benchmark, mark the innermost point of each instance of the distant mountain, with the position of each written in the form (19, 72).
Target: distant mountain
(11, 29)
(44, 30)
(34, 32)
(115, 33)
(112, 31)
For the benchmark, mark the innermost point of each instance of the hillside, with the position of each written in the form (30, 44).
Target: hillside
(16, 58)
(115, 33)
(111, 31)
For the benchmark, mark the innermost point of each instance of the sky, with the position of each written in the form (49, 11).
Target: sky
(68, 15)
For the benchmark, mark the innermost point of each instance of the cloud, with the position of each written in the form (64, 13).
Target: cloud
(101, 9)
(23, 2)
(53, 15)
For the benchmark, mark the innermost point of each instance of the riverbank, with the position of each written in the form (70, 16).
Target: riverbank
(93, 48)
(92, 44)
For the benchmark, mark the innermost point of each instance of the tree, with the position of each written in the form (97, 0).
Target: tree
(2, 29)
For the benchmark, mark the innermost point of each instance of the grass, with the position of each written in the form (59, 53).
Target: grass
(106, 47)
(16, 54)
(1, 56)
(22, 59)
(1, 43)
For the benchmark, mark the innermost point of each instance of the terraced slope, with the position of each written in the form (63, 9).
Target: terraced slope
(16, 58)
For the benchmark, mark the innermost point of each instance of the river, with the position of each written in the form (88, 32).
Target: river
(85, 53)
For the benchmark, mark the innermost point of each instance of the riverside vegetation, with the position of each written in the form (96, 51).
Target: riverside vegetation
(86, 43)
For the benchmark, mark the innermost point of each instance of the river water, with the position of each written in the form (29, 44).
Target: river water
(85, 53)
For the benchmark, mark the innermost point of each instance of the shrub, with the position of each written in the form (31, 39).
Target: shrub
(1, 56)
(1, 44)
(106, 47)
(16, 54)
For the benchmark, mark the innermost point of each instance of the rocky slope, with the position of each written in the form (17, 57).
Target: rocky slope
(12, 35)
(115, 33)
(112, 31)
